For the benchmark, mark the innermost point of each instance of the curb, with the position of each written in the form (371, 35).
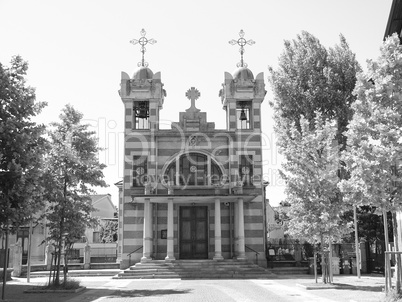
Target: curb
(53, 291)
(326, 286)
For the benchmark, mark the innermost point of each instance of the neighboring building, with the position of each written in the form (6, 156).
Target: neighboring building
(394, 24)
(192, 191)
(274, 228)
(104, 210)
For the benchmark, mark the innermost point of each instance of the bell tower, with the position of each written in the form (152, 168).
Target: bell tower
(242, 94)
(143, 94)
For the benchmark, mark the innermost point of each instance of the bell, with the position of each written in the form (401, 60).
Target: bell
(142, 113)
(243, 116)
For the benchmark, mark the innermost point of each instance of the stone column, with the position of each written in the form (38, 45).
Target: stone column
(170, 232)
(242, 250)
(87, 256)
(147, 239)
(48, 256)
(236, 229)
(16, 251)
(218, 235)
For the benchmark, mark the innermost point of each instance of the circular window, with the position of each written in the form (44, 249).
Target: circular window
(245, 170)
(139, 170)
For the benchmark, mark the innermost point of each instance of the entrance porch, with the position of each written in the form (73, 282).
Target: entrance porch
(193, 227)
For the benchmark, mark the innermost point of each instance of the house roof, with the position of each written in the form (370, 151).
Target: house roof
(394, 23)
(101, 197)
(96, 198)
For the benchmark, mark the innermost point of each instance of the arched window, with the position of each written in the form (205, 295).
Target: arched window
(194, 169)
(170, 174)
(216, 174)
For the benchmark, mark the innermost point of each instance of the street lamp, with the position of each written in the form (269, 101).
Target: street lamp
(5, 255)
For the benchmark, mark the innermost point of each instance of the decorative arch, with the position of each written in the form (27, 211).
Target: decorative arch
(193, 168)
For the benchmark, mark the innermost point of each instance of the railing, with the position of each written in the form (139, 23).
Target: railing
(289, 251)
(256, 253)
(129, 254)
(99, 252)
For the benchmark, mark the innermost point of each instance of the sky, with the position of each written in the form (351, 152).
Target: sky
(76, 52)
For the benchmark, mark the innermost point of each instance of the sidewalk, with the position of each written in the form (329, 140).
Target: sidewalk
(366, 282)
(344, 288)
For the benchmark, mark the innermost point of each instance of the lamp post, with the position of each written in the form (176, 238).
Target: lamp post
(29, 251)
(5, 256)
(5, 264)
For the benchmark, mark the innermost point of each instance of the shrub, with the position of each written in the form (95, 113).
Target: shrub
(392, 296)
(68, 284)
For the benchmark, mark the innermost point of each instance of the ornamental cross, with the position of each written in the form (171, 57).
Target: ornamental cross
(143, 41)
(193, 94)
(241, 42)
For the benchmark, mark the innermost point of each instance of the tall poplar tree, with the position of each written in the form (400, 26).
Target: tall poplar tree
(72, 171)
(22, 147)
(309, 79)
(374, 154)
(310, 173)
(312, 89)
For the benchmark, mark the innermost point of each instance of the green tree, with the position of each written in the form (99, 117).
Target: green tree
(22, 147)
(109, 231)
(311, 79)
(312, 89)
(373, 156)
(310, 156)
(72, 171)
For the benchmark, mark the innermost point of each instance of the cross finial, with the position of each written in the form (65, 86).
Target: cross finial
(143, 41)
(241, 42)
(193, 94)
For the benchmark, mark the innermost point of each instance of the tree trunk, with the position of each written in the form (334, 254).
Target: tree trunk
(387, 264)
(324, 267)
(57, 279)
(330, 260)
(315, 263)
(398, 266)
(65, 270)
(357, 246)
(324, 262)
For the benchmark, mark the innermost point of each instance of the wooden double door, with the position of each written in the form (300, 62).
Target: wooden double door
(193, 232)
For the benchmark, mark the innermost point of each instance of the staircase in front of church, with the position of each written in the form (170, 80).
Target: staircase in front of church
(195, 269)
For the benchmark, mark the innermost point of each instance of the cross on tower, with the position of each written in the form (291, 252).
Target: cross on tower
(193, 94)
(143, 41)
(241, 42)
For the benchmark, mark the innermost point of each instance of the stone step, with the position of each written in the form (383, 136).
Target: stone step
(195, 269)
(192, 276)
(289, 270)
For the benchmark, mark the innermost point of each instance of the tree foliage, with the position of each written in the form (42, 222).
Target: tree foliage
(313, 93)
(22, 146)
(109, 231)
(373, 157)
(311, 79)
(374, 144)
(72, 170)
(310, 173)
(370, 225)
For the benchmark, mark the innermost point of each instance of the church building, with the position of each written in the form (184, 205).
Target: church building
(192, 191)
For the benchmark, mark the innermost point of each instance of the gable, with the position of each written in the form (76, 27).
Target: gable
(104, 207)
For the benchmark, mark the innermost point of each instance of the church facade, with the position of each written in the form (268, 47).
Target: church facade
(192, 191)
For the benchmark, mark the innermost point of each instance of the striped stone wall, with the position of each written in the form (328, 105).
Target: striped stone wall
(160, 147)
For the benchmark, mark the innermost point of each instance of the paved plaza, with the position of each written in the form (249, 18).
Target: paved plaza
(281, 289)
